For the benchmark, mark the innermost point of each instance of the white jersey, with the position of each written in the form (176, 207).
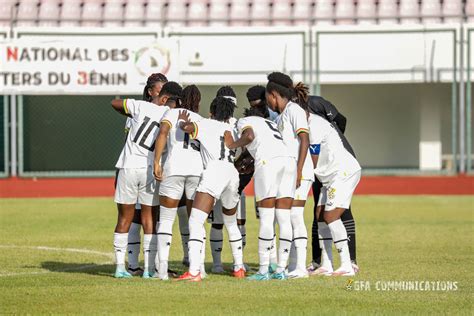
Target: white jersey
(184, 155)
(268, 142)
(139, 148)
(291, 122)
(211, 135)
(333, 157)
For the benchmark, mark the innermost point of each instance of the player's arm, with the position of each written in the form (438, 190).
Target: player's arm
(160, 144)
(247, 137)
(120, 105)
(303, 151)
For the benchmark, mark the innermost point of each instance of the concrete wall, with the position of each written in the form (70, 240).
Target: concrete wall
(384, 120)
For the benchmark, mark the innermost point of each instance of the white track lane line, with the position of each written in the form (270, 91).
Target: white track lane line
(46, 248)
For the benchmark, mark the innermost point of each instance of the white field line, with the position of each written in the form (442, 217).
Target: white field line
(109, 255)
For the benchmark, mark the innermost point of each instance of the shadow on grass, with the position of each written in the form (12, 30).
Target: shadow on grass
(109, 269)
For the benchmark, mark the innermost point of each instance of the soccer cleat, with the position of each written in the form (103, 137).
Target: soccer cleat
(279, 276)
(343, 272)
(135, 272)
(298, 274)
(147, 275)
(272, 268)
(246, 267)
(189, 277)
(239, 274)
(218, 269)
(355, 267)
(322, 271)
(122, 275)
(312, 267)
(259, 277)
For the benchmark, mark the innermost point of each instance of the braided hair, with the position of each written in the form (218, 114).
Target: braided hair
(222, 109)
(191, 98)
(283, 85)
(150, 83)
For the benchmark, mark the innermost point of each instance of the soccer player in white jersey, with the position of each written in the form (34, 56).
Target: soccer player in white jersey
(135, 181)
(216, 218)
(219, 180)
(275, 178)
(151, 90)
(293, 126)
(180, 173)
(339, 172)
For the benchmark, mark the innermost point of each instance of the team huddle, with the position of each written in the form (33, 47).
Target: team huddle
(176, 163)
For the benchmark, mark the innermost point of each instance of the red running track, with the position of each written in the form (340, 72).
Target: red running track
(95, 187)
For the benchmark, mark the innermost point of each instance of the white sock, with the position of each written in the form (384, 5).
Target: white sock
(120, 248)
(196, 236)
(265, 237)
(203, 253)
(284, 222)
(293, 257)
(300, 236)
(165, 235)
(216, 238)
(325, 242)
(183, 229)
(339, 235)
(149, 252)
(273, 251)
(235, 239)
(133, 247)
(243, 233)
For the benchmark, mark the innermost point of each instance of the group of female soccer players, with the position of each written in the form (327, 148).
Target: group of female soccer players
(175, 162)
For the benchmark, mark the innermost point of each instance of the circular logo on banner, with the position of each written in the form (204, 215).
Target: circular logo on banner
(152, 59)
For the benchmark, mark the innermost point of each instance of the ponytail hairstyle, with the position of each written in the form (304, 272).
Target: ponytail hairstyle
(283, 85)
(150, 83)
(191, 98)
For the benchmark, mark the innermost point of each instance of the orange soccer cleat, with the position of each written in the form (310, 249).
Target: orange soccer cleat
(239, 274)
(189, 277)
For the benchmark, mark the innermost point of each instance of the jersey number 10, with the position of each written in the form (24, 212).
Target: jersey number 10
(149, 130)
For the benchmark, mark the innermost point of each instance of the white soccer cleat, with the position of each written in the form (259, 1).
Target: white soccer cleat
(298, 274)
(355, 267)
(218, 269)
(327, 271)
(344, 272)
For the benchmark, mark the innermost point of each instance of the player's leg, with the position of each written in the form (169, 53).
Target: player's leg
(202, 206)
(149, 199)
(230, 199)
(184, 228)
(284, 202)
(339, 195)
(241, 220)
(325, 238)
(315, 248)
(134, 243)
(190, 188)
(124, 220)
(126, 192)
(216, 237)
(297, 266)
(349, 223)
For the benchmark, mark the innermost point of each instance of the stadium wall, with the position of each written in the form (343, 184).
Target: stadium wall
(398, 86)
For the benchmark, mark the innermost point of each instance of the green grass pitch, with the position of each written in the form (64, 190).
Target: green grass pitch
(57, 259)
